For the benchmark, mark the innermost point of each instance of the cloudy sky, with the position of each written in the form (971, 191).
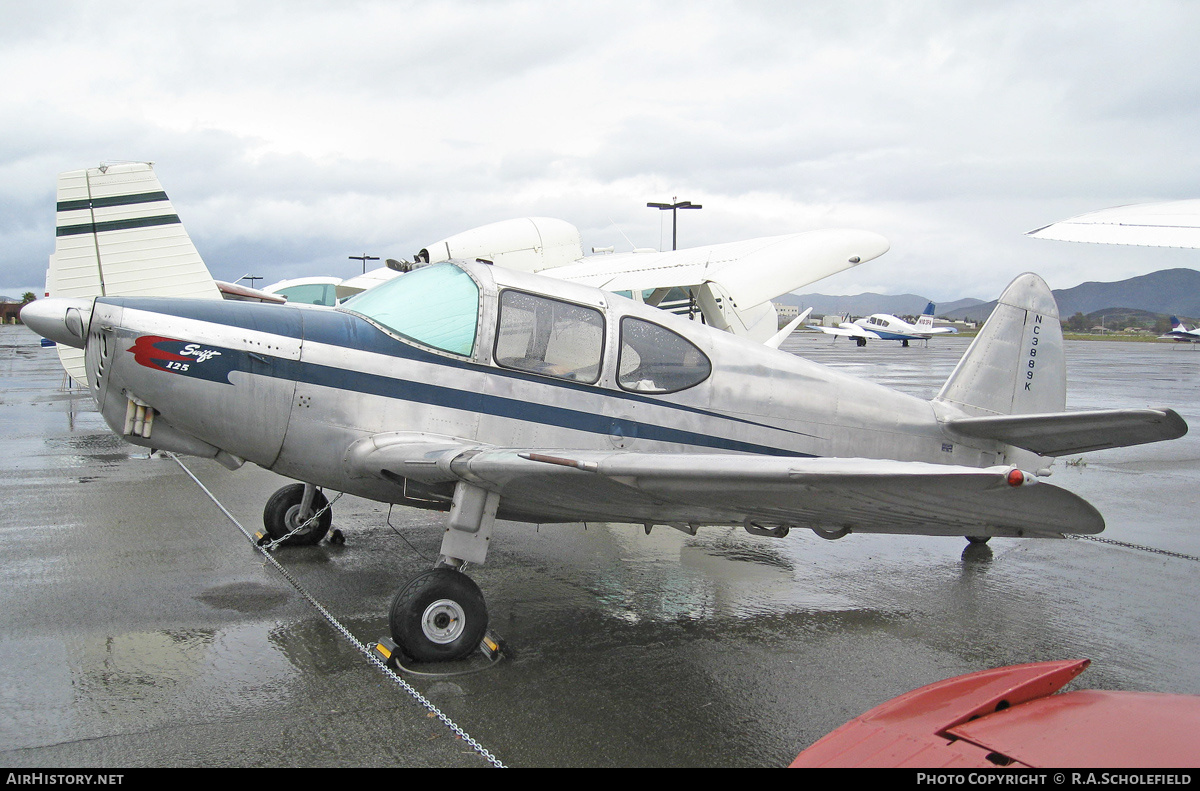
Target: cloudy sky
(291, 135)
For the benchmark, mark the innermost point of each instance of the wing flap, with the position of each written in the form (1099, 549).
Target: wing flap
(1060, 433)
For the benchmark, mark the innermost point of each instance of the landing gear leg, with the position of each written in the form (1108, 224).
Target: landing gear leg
(440, 614)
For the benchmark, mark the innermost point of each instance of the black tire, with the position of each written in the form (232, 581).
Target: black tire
(978, 539)
(439, 616)
(280, 516)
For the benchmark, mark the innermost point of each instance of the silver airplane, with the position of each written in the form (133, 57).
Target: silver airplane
(490, 393)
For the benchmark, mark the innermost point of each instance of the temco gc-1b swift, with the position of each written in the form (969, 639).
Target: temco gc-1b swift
(490, 394)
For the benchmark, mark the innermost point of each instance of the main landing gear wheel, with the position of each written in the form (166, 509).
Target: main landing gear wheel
(438, 616)
(860, 341)
(282, 516)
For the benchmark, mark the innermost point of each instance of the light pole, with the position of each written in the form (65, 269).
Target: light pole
(364, 258)
(673, 206)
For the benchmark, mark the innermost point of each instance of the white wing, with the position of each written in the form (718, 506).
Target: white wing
(1168, 224)
(750, 272)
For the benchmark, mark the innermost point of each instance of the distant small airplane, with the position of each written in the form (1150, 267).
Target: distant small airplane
(1180, 332)
(886, 327)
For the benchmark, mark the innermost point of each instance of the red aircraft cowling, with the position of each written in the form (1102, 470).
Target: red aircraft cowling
(1010, 717)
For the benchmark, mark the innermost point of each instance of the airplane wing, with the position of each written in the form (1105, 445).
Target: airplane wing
(1057, 434)
(751, 271)
(686, 489)
(1166, 224)
(846, 331)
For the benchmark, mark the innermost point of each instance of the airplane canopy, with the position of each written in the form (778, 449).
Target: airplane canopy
(436, 305)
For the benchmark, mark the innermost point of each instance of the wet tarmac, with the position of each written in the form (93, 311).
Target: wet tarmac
(139, 628)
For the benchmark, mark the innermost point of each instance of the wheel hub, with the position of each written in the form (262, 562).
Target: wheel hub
(293, 519)
(443, 621)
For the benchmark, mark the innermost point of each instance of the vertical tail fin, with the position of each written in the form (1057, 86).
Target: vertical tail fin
(1015, 365)
(925, 321)
(117, 234)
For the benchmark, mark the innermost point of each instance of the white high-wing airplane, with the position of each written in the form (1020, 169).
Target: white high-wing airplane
(490, 393)
(886, 327)
(728, 286)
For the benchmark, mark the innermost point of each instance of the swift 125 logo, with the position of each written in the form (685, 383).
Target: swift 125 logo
(183, 357)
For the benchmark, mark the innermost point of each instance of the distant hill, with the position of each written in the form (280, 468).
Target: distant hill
(959, 304)
(1120, 318)
(1166, 292)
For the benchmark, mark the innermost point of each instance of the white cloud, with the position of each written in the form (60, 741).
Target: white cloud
(295, 134)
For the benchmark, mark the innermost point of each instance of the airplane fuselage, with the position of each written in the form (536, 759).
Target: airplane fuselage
(281, 386)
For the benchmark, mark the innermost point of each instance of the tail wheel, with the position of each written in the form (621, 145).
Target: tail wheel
(282, 516)
(438, 616)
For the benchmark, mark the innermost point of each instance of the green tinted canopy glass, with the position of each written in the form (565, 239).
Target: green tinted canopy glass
(435, 305)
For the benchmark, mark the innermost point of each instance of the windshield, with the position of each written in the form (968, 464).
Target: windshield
(435, 305)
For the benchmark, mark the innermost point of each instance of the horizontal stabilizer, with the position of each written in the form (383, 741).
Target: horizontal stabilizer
(1060, 433)
(832, 495)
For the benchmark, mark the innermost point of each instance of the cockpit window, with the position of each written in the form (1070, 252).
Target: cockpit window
(548, 336)
(435, 305)
(656, 360)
